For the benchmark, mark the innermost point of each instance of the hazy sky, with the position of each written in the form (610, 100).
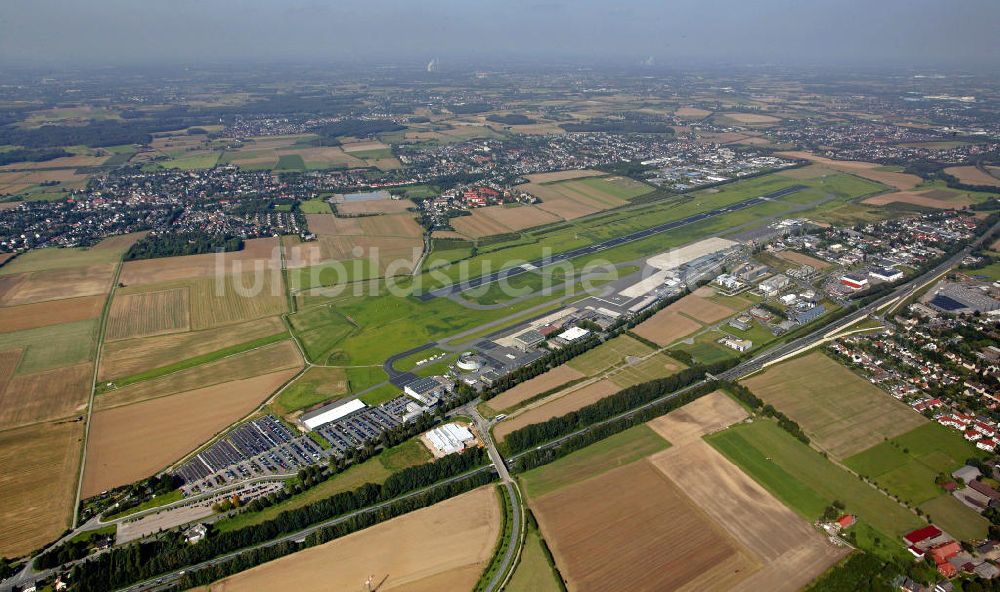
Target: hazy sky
(673, 31)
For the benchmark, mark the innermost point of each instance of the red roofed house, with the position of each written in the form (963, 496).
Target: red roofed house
(947, 570)
(923, 537)
(846, 521)
(946, 551)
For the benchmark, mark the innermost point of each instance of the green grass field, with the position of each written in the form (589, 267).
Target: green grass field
(608, 354)
(806, 481)
(408, 454)
(620, 187)
(533, 572)
(58, 258)
(353, 330)
(358, 379)
(160, 500)
(907, 465)
(955, 518)
(195, 361)
(990, 272)
(316, 385)
(617, 450)
(372, 154)
(290, 162)
(54, 346)
(192, 162)
(315, 206)
(380, 395)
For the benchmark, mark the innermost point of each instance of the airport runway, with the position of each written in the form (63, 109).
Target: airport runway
(608, 244)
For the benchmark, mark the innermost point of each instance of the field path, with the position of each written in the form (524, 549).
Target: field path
(101, 329)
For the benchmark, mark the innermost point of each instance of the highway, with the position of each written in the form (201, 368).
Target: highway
(608, 244)
(793, 347)
(754, 364)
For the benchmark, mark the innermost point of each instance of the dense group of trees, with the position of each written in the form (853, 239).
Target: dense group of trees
(31, 155)
(352, 524)
(861, 572)
(122, 566)
(95, 134)
(511, 119)
(181, 243)
(358, 128)
(624, 400)
(754, 402)
(541, 456)
(469, 108)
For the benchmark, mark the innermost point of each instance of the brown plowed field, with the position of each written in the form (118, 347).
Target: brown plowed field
(8, 363)
(632, 529)
(371, 226)
(665, 327)
(41, 396)
(563, 175)
(271, 358)
(149, 313)
(499, 220)
(942, 200)
(43, 314)
(701, 309)
(530, 388)
(38, 484)
(55, 284)
(376, 206)
(973, 176)
(131, 356)
(561, 403)
(842, 412)
(134, 441)
(790, 551)
(442, 547)
(802, 259)
(751, 117)
(263, 251)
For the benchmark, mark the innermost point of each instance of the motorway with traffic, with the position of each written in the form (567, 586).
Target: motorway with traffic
(500, 465)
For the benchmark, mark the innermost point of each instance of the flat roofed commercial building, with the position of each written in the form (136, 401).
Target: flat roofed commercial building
(331, 412)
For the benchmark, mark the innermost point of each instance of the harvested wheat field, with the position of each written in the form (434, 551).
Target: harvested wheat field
(149, 313)
(563, 175)
(464, 531)
(376, 206)
(970, 175)
(42, 396)
(558, 376)
(38, 484)
(632, 529)
(131, 442)
(239, 298)
(387, 248)
(692, 112)
(842, 412)
(561, 403)
(364, 146)
(131, 356)
(933, 198)
(401, 225)
(502, 219)
(665, 327)
(700, 309)
(751, 117)
(802, 259)
(9, 358)
(265, 360)
(55, 284)
(868, 170)
(791, 553)
(257, 253)
(43, 314)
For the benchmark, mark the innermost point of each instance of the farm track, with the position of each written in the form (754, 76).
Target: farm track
(102, 325)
